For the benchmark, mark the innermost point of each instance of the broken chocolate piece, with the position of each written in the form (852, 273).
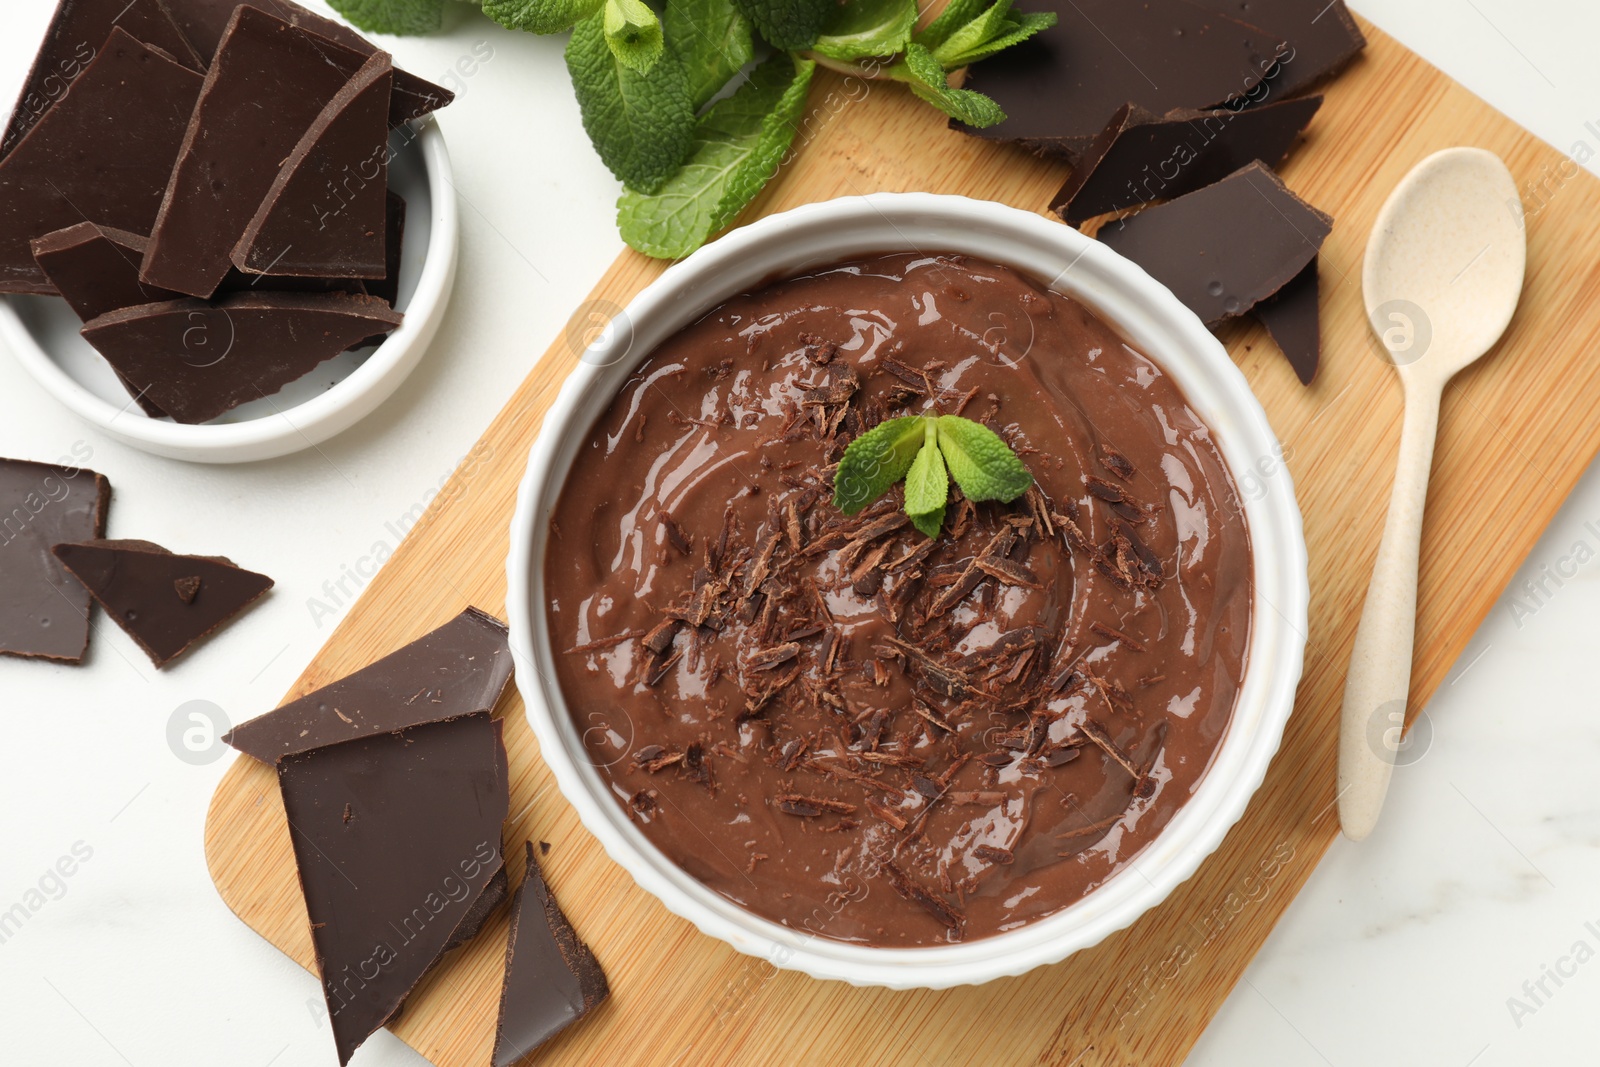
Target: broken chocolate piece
(96, 268)
(198, 359)
(325, 212)
(282, 78)
(205, 21)
(73, 39)
(1142, 157)
(460, 668)
(1227, 247)
(388, 289)
(103, 152)
(1291, 316)
(396, 837)
(44, 611)
(1060, 88)
(1323, 38)
(552, 978)
(166, 602)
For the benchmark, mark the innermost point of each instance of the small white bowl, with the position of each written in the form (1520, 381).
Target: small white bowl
(1155, 322)
(42, 332)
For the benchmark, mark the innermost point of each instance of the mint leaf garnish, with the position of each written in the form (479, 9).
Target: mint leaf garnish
(540, 16)
(876, 460)
(926, 77)
(714, 41)
(996, 29)
(868, 28)
(956, 13)
(982, 464)
(927, 451)
(392, 16)
(641, 124)
(633, 33)
(788, 24)
(738, 144)
(927, 487)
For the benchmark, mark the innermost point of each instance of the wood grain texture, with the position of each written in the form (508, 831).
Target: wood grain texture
(1518, 430)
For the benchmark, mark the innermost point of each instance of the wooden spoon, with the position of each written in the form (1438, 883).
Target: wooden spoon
(1442, 277)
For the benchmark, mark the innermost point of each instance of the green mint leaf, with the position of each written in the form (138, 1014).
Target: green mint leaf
(866, 28)
(962, 50)
(926, 77)
(876, 460)
(975, 32)
(956, 13)
(540, 16)
(790, 25)
(401, 17)
(642, 125)
(982, 464)
(713, 42)
(633, 33)
(927, 486)
(738, 145)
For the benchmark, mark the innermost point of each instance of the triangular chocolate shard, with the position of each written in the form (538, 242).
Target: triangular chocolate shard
(44, 611)
(1060, 88)
(96, 268)
(552, 978)
(1292, 317)
(204, 21)
(1323, 38)
(70, 42)
(1142, 157)
(198, 359)
(166, 602)
(282, 77)
(396, 837)
(325, 213)
(103, 152)
(459, 668)
(1225, 248)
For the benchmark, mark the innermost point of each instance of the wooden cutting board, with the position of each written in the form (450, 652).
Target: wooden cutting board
(1518, 429)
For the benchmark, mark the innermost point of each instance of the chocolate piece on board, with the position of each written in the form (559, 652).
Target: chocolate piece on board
(1292, 317)
(44, 611)
(103, 152)
(166, 602)
(1225, 248)
(1323, 38)
(197, 359)
(460, 668)
(1060, 88)
(1143, 157)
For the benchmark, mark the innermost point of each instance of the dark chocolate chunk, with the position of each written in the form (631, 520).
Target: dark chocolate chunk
(166, 602)
(1322, 36)
(1227, 247)
(205, 21)
(395, 224)
(103, 152)
(396, 837)
(1059, 89)
(460, 668)
(198, 359)
(325, 214)
(44, 611)
(96, 268)
(1291, 317)
(552, 978)
(1142, 157)
(279, 76)
(72, 40)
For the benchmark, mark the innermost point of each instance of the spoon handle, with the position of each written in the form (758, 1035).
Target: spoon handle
(1380, 665)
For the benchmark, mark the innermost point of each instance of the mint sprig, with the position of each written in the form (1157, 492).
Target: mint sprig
(675, 109)
(927, 451)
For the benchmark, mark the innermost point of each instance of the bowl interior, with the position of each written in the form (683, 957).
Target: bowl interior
(54, 328)
(1155, 323)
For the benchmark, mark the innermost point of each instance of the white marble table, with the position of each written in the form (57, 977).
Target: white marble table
(1459, 934)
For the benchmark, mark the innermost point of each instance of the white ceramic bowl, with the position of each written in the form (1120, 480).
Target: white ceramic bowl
(42, 332)
(1153, 321)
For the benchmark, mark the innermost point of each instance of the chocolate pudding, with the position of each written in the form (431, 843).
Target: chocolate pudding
(856, 730)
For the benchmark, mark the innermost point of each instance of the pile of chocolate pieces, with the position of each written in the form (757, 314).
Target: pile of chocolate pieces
(1186, 105)
(396, 788)
(205, 182)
